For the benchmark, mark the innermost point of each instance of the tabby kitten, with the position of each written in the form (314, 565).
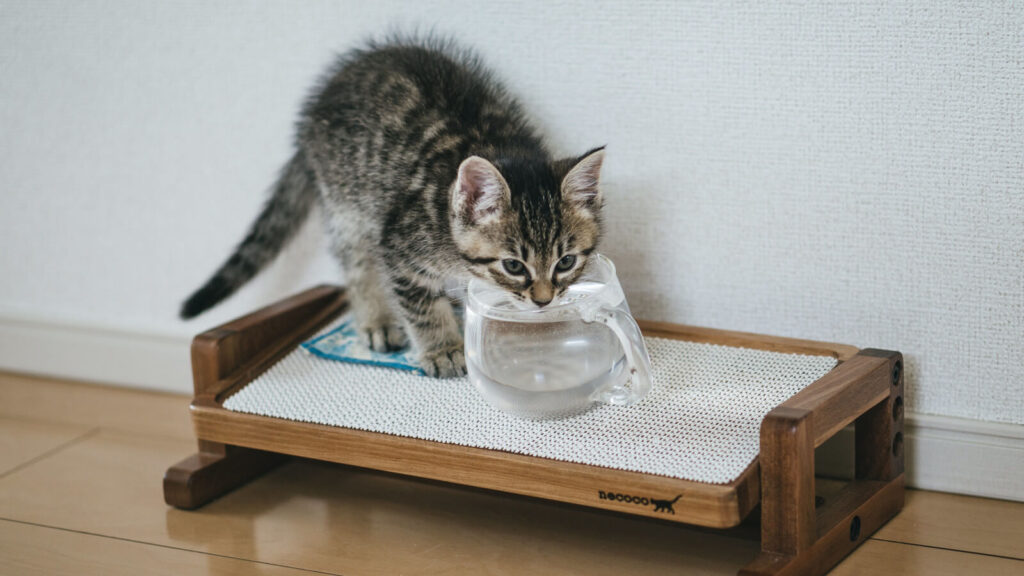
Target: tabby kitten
(426, 171)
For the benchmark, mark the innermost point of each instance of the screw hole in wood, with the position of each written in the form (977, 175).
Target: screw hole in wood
(897, 445)
(897, 408)
(897, 370)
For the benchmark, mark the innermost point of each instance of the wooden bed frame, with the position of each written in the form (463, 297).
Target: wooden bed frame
(797, 537)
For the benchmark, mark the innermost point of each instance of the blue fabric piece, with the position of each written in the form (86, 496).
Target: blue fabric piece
(343, 344)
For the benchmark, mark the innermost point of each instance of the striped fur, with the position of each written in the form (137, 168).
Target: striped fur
(427, 172)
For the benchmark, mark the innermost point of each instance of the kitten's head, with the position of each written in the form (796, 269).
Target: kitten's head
(528, 225)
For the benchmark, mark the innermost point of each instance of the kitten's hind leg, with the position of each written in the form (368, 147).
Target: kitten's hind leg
(376, 324)
(380, 331)
(431, 323)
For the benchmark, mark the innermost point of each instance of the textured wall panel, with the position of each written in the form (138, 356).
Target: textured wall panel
(845, 171)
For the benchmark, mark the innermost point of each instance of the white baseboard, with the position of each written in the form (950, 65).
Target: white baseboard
(965, 456)
(95, 354)
(943, 453)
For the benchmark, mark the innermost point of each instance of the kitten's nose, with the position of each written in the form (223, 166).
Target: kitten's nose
(541, 303)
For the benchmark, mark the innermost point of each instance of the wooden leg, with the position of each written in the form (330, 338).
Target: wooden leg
(879, 431)
(862, 508)
(796, 538)
(213, 471)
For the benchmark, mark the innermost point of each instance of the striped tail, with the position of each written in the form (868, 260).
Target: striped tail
(290, 203)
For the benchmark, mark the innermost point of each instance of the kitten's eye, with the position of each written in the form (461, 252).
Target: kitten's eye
(513, 267)
(566, 263)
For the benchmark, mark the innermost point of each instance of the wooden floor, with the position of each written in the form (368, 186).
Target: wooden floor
(80, 493)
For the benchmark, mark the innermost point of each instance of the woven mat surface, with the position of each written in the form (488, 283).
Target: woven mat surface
(700, 422)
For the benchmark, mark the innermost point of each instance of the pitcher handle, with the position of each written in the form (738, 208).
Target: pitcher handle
(638, 363)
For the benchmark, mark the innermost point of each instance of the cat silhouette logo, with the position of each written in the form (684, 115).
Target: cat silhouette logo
(665, 506)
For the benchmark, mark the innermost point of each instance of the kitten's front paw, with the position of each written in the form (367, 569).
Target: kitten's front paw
(444, 362)
(383, 337)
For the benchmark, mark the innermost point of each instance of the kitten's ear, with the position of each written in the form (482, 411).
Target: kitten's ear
(580, 185)
(480, 191)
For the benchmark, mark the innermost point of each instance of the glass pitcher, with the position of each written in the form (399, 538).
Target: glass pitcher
(558, 360)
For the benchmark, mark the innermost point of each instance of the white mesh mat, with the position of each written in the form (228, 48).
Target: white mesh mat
(700, 422)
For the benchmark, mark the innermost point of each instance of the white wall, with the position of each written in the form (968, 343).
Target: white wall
(841, 171)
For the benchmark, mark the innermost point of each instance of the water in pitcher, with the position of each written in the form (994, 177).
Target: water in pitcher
(547, 364)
